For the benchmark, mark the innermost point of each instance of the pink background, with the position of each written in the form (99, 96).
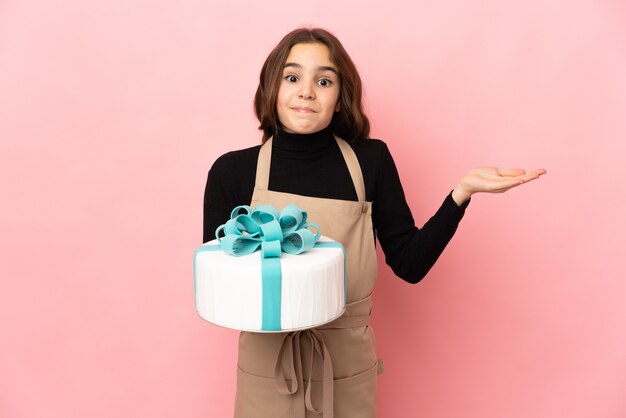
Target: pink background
(112, 114)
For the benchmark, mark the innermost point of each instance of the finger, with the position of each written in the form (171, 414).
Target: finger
(504, 183)
(510, 172)
(533, 175)
(517, 181)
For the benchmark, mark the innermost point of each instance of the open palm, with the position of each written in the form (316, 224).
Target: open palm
(492, 180)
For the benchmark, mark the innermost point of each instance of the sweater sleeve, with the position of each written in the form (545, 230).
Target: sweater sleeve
(409, 250)
(219, 197)
(230, 183)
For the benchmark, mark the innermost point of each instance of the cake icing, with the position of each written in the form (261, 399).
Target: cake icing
(296, 281)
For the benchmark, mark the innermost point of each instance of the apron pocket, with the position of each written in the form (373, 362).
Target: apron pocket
(354, 397)
(257, 397)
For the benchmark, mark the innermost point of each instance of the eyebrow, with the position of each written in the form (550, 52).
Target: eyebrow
(322, 67)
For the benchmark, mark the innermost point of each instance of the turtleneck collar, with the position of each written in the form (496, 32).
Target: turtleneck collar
(315, 141)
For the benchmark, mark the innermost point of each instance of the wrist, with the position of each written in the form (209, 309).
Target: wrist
(460, 195)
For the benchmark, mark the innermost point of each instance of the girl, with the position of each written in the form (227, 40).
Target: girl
(317, 154)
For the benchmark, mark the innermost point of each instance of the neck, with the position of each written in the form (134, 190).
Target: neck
(296, 142)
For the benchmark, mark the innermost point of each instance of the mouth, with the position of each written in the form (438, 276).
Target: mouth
(302, 109)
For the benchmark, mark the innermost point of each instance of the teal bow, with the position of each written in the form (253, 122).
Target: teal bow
(274, 232)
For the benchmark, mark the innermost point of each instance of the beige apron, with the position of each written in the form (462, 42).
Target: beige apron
(331, 369)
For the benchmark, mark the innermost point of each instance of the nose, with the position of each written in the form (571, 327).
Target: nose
(306, 91)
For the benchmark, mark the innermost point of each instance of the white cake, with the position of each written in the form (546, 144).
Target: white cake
(229, 289)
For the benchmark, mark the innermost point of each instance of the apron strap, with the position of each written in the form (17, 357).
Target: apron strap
(303, 398)
(264, 160)
(353, 167)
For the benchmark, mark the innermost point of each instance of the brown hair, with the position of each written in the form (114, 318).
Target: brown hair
(349, 123)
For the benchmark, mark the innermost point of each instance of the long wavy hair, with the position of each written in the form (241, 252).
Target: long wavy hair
(349, 123)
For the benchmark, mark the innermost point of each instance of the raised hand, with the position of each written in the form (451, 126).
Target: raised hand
(492, 180)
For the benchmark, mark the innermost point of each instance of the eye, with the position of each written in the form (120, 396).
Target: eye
(324, 82)
(291, 78)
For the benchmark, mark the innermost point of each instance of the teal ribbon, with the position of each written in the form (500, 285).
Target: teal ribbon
(272, 232)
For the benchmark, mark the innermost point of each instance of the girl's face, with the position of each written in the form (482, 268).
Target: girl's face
(309, 91)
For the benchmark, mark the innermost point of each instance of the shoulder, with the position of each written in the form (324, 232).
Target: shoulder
(236, 161)
(369, 147)
(371, 153)
(368, 144)
(375, 160)
(231, 178)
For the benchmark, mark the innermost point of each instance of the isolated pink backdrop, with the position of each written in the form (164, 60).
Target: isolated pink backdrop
(112, 113)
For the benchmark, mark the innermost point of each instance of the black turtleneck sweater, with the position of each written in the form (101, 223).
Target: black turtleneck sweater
(312, 165)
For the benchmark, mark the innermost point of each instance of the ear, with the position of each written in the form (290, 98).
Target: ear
(338, 106)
